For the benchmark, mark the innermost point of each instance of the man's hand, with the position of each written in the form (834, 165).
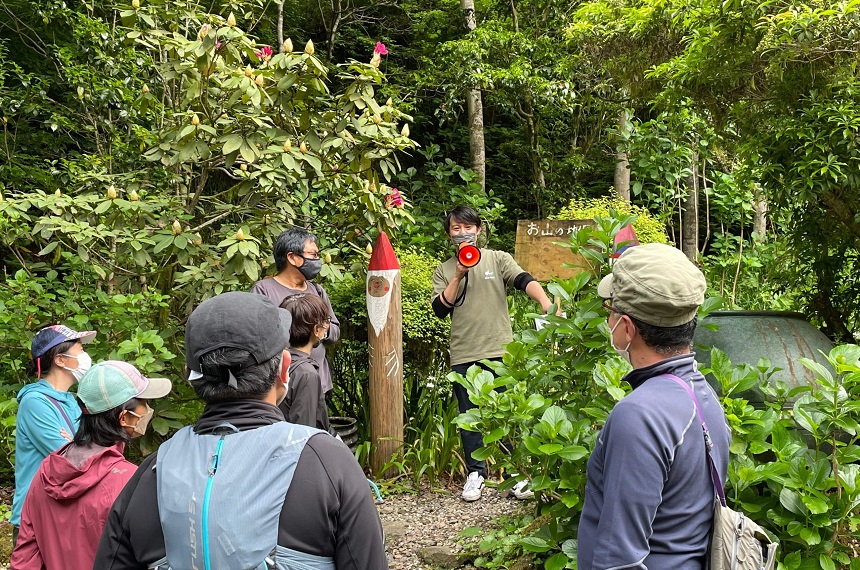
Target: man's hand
(461, 271)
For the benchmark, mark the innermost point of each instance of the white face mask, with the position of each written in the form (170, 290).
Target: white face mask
(622, 352)
(84, 364)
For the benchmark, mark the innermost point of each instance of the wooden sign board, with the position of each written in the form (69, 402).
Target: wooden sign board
(537, 253)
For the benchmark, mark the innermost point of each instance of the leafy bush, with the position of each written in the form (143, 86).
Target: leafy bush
(648, 228)
(794, 467)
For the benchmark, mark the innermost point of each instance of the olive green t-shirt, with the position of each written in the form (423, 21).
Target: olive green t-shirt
(481, 326)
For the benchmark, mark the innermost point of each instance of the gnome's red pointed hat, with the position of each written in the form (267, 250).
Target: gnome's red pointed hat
(381, 273)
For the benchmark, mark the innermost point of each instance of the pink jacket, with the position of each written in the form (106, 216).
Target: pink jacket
(67, 506)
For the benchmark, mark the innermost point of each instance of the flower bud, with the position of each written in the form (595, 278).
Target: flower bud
(374, 61)
(204, 31)
(135, 4)
(132, 196)
(145, 89)
(231, 20)
(287, 146)
(303, 147)
(248, 71)
(224, 115)
(369, 249)
(389, 103)
(176, 227)
(195, 120)
(309, 47)
(376, 119)
(404, 131)
(198, 239)
(111, 192)
(327, 258)
(57, 192)
(288, 46)
(259, 81)
(243, 167)
(240, 235)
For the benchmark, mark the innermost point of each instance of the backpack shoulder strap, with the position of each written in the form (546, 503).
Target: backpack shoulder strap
(715, 476)
(62, 412)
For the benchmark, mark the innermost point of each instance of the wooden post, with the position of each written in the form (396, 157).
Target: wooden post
(385, 339)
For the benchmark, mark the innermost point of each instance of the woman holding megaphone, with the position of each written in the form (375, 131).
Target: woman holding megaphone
(471, 287)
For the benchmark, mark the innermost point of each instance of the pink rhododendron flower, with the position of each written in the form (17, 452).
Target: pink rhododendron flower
(265, 53)
(218, 46)
(394, 199)
(380, 49)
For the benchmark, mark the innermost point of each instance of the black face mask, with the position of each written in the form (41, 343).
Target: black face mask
(310, 268)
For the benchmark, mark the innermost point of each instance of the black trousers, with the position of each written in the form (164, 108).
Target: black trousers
(472, 440)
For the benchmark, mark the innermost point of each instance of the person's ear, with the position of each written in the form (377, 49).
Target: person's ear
(122, 419)
(629, 329)
(284, 372)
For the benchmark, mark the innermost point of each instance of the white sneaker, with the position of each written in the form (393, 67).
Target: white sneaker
(520, 491)
(473, 487)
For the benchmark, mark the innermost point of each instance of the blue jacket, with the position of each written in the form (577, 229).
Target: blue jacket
(649, 499)
(37, 434)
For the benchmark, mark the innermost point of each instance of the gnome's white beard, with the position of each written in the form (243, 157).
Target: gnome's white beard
(377, 307)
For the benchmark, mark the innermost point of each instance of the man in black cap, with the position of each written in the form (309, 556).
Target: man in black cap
(649, 499)
(242, 488)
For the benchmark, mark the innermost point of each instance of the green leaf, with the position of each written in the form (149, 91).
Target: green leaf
(232, 143)
(534, 544)
(791, 501)
(556, 562)
(550, 448)
(826, 562)
(815, 505)
(820, 370)
(49, 248)
(471, 531)
(496, 434)
(248, 152)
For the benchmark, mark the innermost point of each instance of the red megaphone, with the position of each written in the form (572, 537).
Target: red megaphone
(468, 255)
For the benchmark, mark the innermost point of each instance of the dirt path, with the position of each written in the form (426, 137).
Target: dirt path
(422, 530)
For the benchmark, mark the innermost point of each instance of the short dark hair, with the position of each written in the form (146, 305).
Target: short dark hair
(47, 359)
(464, 214)
(253, 380)
(666, 341)
(308, 312)
(103, 428)
(291, 241)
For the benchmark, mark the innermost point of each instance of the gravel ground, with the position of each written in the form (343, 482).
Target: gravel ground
(423, 528)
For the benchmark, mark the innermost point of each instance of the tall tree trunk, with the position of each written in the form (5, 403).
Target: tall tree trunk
(280, 26)
(526, 114)
(622, 166)
(690, 227)
(514, 17)
(475, 108)
(760, 215)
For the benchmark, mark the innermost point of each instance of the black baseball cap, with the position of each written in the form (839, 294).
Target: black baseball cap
(246, 321)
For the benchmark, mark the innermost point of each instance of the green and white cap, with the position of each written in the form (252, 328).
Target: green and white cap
(112, 383)
(656, 284)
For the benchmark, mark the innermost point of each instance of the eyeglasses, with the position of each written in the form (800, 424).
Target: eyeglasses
(607, 304)
(309, 255)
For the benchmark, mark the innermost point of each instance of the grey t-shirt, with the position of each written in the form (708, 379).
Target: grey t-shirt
(277, 293)
(481, 326)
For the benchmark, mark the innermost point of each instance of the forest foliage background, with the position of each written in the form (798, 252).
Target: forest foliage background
(152, 150)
